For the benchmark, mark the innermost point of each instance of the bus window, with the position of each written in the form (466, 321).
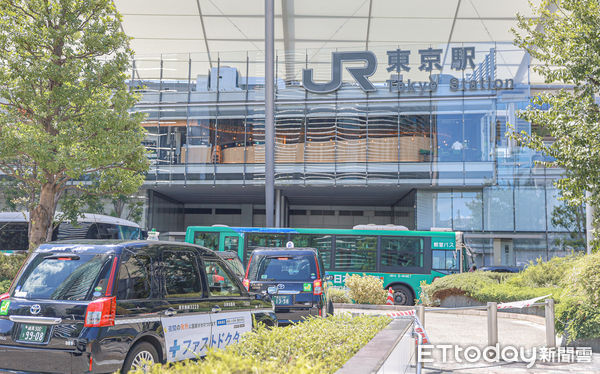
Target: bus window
(320, 242)
(444, 260)
(207, 239)
(96, 231)
(129, 232)
(355, 252)
(255, 240)
(231, 243)
(13, 236)
(401, 252)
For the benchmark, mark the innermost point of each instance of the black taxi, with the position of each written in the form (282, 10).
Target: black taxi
(295, 280)
(103, 306)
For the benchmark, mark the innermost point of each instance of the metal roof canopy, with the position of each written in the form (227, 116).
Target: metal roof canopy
(208, 29)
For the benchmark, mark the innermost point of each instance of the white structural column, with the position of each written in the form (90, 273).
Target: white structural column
(287, 20)
(269, 112)
(278, 207)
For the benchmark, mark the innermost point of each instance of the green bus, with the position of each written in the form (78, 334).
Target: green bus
(401, 258)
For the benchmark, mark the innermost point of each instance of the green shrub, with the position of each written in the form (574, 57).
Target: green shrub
(545, 273)
(4, 285)
(366, 289)
(577, 319)
(10, 265)
(572, 281)
(505, 292)
(467, 284)
(583, 279)
(318, 345)
(339, 295)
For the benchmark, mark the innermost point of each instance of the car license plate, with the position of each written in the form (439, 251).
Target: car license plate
(32, 333)
(282, 300)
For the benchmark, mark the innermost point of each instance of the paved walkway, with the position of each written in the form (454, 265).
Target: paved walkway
(464, 330)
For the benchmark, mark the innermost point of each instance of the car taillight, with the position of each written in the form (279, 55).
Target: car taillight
(101, 312)
(317, 287)
(4, 296)
(246, 283)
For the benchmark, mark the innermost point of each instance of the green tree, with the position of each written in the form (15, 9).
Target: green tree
(572, 219)
(64, 104)
(564, 39)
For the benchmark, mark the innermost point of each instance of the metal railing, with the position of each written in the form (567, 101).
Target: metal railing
(492, 322)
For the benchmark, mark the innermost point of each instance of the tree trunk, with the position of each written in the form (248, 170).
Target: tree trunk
(118, 205)
(41, 216)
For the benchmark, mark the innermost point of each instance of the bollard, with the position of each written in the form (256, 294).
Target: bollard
(550, 332)
(492, 321)
(421, 314)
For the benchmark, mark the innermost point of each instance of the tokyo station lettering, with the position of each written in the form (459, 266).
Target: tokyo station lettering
(398, 61)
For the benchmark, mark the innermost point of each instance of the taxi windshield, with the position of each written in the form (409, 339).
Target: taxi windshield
(282, 268)
(63, 277)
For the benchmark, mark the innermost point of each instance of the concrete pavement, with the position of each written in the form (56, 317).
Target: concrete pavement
(469, 329)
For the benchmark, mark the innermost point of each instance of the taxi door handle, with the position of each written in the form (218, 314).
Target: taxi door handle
(170, 312)
(216, 309)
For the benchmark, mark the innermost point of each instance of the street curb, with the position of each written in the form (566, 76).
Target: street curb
(381, 352)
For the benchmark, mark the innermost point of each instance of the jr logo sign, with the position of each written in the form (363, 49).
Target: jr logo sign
(359, 74)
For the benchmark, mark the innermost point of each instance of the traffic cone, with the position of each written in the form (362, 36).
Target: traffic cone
(390, 297)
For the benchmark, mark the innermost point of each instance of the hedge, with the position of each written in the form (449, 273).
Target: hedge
(572, 281)
(317, 345)
(9, 267)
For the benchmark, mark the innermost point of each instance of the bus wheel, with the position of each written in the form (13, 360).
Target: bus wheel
(403, 296)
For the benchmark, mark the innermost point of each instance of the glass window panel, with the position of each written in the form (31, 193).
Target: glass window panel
(134, 278)
(562, 244)
(498, 209)
(13, 236)
(55, 278)
(425, 210)
(553, 203)
(353, 252)
(255, 240)
(318, 241)
(448, 125)
(207, 239)
(231, 243)
(526, 250)
(181, 275)
(530, 209)
(401, 252)
(466, 211)
(219, 281)
(443, 209)
(445, 260)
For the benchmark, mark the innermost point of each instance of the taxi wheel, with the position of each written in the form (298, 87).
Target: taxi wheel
(403, 296)
(141, 356)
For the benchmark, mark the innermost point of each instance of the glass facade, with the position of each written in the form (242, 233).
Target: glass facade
(436, 124)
